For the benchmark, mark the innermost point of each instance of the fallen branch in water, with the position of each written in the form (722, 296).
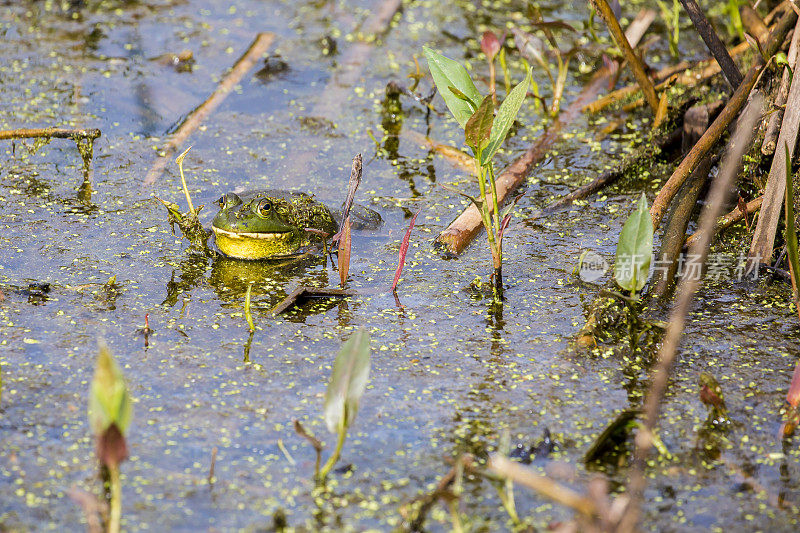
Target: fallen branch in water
(194, 119)
(50, 133)
(686, 290)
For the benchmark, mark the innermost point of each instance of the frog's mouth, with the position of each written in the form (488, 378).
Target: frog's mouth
(246, 245)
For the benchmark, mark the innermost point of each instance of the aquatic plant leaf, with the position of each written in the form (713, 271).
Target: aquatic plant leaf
(348, 381)
(449, 73)
(505, 117)
(401, 260)
(791, 230)
(479, 126)
(109, 401)
(344, 251)
(490, 44)
(635, 249)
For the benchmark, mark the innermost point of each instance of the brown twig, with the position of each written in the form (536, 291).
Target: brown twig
(767, 225)
(455, 156)
(56, 133)
(193, 121)
(675, 233)
(633, 60)
(713, 43)
(686, 290)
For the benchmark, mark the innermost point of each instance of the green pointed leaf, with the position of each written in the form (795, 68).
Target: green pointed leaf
(505, 117)
(479, 126)
(109, 402)
(791, 230)
(448, 73)
(348, 381)
(635, 249)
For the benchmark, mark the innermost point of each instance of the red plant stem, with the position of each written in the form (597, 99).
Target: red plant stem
(401, 259)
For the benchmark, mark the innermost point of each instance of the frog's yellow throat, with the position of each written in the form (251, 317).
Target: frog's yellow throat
(255, 245)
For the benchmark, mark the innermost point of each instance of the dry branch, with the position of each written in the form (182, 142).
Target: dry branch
(633, 60)
(193, 121)
(713, 43)
(764, 236)
(659, 144)
(686, 290)
(703, 146)
(57, 133)
(720, 125)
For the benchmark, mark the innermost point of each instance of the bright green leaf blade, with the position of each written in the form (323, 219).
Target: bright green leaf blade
(791, 230)
(635, 249)
(479, 126)
(109, 401)
(446, 73)
(348, 381)
(506, 116)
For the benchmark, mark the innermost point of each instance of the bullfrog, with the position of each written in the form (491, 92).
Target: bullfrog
(270, 223)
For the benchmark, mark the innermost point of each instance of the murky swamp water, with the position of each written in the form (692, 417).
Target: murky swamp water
(448, 376)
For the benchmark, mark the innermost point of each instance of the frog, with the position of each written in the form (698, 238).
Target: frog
(273, 223)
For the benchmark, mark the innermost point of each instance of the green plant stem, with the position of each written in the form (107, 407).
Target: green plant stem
(323, 474)
(247, 314)
(492, 83)
(506, 494)
(116, 499)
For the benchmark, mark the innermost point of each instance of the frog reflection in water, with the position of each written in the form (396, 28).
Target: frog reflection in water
(264, 224)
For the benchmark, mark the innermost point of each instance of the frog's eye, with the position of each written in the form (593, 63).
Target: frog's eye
(264, 207)
(228, 200)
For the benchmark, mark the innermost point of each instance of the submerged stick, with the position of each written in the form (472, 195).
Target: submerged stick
(633, 60)
(55, 133)
(686, 290)
(713, 43)
(193, 121)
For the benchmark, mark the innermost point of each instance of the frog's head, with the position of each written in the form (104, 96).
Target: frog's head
(257, 226)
